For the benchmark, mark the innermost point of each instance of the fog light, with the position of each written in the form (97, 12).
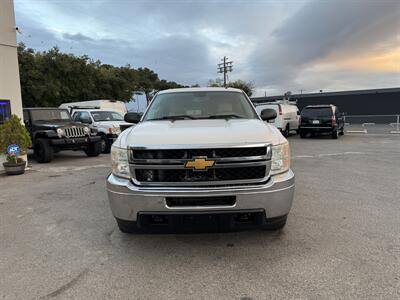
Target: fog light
(148, 175)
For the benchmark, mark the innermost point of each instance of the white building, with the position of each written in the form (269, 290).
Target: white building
(10, 89)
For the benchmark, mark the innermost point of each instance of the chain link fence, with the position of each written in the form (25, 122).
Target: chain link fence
(377, 124)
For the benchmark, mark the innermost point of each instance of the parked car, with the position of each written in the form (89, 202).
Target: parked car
(321, 119)
(200, 158)
(288, 115)
(52, 130)
(106, 123)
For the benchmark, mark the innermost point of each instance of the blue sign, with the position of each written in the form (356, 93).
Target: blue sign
(13, 150)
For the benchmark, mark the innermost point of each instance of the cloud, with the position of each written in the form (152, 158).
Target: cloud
(323, 30)
(272, 44)
(76, 37)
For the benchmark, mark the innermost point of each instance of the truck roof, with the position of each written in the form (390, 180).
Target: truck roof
(319, 105)
(201, 89)
(42, 108)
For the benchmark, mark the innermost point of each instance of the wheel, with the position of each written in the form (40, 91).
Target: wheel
(286, 131)
(94, 149)
(335, 133)
(127, 226)
(303, 134)
(43, 151)
(275, 223)
(105, 145)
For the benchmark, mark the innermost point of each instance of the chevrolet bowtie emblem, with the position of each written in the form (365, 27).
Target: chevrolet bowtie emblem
(200, 164)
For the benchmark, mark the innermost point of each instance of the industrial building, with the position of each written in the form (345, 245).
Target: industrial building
(358, 102)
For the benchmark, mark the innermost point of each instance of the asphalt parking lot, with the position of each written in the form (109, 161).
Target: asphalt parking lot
(58, 238)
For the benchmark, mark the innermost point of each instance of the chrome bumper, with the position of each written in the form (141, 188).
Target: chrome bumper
(127, 199)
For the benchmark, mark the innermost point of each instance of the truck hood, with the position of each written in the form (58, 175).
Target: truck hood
(111, 124)
(56, 124)
(200, 132)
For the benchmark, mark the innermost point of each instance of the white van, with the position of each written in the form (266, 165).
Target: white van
(113, 105)
(288, 115)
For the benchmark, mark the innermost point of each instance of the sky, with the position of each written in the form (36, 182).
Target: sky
(279, 46)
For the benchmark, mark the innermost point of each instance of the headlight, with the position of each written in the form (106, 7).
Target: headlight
(60, 132)
(280, 158)
(114, 130)
(119, 162)
(86, 129)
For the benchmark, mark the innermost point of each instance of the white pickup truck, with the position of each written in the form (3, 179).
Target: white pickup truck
(200, 159)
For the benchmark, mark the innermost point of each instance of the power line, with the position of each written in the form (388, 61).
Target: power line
(225, 67)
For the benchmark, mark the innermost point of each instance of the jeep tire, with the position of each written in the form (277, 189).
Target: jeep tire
(94, 149)
(43, 151)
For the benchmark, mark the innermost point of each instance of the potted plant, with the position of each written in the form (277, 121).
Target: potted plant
(14, 143)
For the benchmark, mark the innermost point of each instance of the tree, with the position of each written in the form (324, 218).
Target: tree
(51, 77)
(247, 87)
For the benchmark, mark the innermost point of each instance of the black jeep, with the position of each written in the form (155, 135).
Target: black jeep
(52, 130)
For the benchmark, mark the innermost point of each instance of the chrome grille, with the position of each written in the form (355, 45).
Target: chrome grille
(233, 166)
(73, 132)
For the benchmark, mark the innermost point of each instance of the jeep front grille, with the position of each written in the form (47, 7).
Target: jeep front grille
(73, 132)
(232, 166)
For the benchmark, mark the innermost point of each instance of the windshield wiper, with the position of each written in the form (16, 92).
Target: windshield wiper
(173, 118)
(226, 116)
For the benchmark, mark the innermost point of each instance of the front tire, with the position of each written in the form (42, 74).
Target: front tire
(43, 151)
(94, 149)
(303, 134)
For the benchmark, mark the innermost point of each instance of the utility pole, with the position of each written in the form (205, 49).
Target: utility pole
(225, 67)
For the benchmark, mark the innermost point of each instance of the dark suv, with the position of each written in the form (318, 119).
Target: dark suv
(321, 119)
(52, 130)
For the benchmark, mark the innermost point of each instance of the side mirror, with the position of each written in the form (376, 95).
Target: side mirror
(268, 114)
(132, 117)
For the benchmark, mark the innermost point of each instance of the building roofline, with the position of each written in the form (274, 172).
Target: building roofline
(324, 94)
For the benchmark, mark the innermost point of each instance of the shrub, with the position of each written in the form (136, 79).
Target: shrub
(14, 132)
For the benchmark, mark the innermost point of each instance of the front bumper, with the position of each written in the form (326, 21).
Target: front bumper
(310, 128)
(75, 141)
(128, 200)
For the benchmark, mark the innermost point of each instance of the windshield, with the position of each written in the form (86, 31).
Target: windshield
(317, 112)
(99, 116)
(200, 105)
(50, 115)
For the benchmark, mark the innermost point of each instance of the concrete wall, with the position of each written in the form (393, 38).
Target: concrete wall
(10, 88)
